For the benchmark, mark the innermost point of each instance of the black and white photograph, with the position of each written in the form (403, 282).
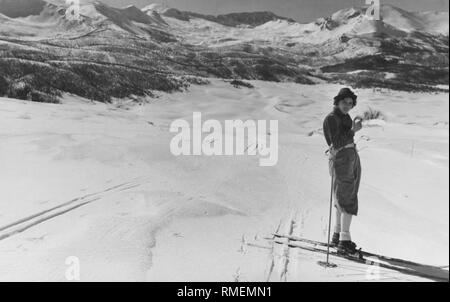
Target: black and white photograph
(224, 141)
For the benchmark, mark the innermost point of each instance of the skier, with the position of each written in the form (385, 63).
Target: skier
(345, 167)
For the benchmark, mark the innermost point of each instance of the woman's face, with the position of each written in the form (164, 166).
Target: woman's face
(346, 105)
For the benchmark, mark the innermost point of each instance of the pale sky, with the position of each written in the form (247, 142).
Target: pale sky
(300, 10)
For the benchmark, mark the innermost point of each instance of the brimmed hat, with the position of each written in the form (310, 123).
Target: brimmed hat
(345, 93)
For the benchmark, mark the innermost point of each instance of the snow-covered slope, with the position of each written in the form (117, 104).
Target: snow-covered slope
(136, 213)
(99, 183)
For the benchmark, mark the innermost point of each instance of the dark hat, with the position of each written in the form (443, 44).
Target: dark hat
(345, 93)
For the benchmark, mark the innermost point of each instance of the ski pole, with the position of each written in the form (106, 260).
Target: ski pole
(329, 218)
(328, 264)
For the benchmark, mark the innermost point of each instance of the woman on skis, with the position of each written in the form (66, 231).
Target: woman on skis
(345, 166)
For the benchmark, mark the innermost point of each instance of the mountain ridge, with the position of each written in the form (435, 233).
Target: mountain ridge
(116, 52)
(229, 19)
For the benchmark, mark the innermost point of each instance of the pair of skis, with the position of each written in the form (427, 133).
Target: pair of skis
(363, 257)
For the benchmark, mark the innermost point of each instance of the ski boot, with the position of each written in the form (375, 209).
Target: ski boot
(335, 240)
(346, 248)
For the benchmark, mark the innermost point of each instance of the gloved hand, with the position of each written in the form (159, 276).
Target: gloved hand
(357, 124)
(332, 153)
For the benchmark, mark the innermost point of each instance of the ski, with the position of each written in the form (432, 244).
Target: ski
(358, 259)
(354, 257)
(364, 253)
(399, 265)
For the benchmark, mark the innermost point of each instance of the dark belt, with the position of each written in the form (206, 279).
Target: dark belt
(349, 146)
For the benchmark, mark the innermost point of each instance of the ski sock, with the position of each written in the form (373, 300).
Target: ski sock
(346, 221)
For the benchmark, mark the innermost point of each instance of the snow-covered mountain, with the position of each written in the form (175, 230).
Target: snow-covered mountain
(430, 22)
(393, 21)
(118, 43)
(351, 22)
(232, 19)
(50, 18)
(160, 8)
(347, 41)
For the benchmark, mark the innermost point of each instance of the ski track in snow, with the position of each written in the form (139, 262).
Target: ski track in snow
(203, 218)
(21, 225)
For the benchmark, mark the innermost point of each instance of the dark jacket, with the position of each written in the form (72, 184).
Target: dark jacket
(337, 129)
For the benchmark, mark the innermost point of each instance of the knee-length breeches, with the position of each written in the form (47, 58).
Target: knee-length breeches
(346, 167)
